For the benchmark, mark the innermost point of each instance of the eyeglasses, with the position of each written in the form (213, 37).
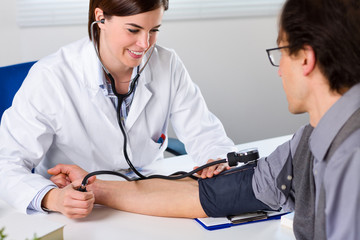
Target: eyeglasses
(274, 55)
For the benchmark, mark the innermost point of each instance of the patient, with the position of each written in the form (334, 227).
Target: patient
(316, 173)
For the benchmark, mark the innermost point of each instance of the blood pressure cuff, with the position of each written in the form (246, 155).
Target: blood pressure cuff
(230, 193)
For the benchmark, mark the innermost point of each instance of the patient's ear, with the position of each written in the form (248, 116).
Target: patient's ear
(309, 60)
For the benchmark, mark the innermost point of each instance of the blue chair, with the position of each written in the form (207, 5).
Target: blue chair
(175, 147)
(11, 78)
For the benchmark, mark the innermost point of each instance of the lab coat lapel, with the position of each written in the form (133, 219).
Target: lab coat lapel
(141, 98)
(105, 105)
(93, 79)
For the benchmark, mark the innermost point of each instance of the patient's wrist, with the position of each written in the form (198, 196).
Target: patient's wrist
(97, 188)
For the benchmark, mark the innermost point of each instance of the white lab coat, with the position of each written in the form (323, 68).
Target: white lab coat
(61, 115)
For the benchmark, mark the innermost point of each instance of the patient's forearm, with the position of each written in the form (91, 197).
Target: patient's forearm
(155, 197)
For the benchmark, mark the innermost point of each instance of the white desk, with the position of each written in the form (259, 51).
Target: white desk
(106, 223)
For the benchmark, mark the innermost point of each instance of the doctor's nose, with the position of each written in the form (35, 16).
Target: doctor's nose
(144, 41)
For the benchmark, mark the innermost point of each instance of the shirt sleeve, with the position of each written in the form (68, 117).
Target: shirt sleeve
(26, 133)
(35, 205)
(342, 189)
(268, 169)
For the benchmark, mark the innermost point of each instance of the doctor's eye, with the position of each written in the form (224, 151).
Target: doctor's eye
(155, 30)
(133, 30)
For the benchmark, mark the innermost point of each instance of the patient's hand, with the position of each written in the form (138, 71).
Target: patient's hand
(213, 170)
(64, 175)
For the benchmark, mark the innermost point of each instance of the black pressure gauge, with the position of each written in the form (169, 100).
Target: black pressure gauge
(243, 156)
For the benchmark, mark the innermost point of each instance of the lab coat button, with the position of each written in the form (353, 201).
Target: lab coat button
(283, 187)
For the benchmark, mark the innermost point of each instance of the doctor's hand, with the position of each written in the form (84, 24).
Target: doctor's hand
(213, 170)
(64, 174)
(69, 201)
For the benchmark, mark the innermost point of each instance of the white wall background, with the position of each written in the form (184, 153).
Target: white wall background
(225, 57)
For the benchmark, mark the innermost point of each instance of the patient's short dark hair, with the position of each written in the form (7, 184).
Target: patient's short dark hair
(332, 29)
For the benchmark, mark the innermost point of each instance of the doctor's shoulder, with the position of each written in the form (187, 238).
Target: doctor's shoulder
(169, 62)
(166, 55)
(66, 61)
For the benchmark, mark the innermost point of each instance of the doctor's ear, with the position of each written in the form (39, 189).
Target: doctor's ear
(99, 15)
(309, 60)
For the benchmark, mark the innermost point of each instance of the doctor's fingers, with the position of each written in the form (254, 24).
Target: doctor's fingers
(208, 172)
(76, 204)
(74, 172)
(73, 211)
(221, 167)
(214, 170)
(61, 180)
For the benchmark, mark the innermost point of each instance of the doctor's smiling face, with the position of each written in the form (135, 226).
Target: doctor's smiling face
(125, 39)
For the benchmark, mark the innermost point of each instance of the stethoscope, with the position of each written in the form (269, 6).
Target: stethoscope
(245, 156)
(120, 97)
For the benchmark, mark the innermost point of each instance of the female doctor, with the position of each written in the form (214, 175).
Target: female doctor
(67, 109)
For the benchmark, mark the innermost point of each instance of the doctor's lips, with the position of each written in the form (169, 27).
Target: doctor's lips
(135, 54)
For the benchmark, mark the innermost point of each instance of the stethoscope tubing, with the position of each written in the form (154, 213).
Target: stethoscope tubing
(174, 176)
(121, 97)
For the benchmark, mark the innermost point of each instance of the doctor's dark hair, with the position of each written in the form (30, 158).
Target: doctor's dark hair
(121, 8)
(332, 29)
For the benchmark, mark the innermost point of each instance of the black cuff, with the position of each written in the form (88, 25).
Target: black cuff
(230, 193)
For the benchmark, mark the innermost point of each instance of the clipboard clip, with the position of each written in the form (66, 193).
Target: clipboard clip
(248, 217)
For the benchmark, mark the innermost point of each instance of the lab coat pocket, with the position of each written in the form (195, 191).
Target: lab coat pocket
(151, 151)
(160, 143)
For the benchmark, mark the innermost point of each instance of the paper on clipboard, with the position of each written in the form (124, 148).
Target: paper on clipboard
(226, 222)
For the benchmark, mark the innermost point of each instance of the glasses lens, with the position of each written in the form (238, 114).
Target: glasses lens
(275, 57)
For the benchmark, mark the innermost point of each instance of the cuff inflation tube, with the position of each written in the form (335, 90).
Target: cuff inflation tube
(233, 158)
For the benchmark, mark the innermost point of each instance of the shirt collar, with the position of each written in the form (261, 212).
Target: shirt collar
(106, 87)
(331, 123)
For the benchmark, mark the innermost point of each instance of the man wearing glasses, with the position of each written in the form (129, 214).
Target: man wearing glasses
(316, 173)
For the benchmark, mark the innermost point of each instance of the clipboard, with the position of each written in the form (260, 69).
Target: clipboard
(211, 224)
